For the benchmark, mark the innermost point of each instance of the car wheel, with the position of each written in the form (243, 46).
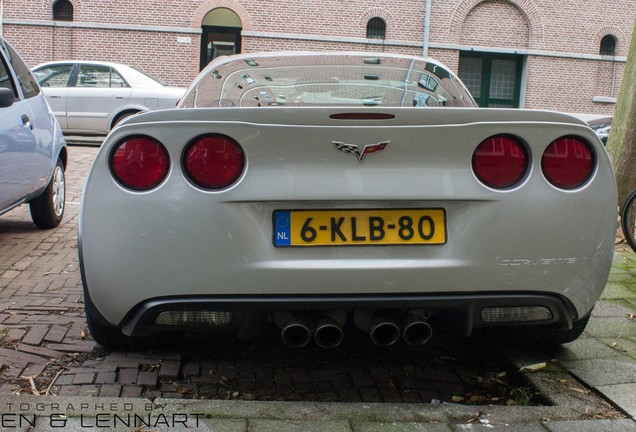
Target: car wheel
(123, 117)
(102, 332)
(47, 209)
(533, 336)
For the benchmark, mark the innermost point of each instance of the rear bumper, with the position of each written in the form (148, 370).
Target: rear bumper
(248, 314)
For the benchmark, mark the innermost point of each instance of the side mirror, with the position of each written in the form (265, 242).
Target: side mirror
(6, 97)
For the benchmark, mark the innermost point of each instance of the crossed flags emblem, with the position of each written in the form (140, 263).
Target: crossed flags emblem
(355, 150)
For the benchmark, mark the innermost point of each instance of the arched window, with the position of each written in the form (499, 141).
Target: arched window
(608, 45)
(376, 28)
(63, 10)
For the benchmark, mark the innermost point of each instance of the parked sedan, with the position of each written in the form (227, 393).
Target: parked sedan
(92, 97)
(32, 148)
(321, 192)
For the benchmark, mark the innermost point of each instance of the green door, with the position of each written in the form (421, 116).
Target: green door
(494, 80)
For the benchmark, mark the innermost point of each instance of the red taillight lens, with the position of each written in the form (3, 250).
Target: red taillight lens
(214, 161)
(139, 163)
(568, 162)
(500, 161)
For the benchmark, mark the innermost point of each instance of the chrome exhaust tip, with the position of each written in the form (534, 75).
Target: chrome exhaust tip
(328, 333)
(383, 331)
(295, 333)
(416, 331)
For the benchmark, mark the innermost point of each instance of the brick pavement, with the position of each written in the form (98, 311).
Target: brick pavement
(41, 307)
(45, 347)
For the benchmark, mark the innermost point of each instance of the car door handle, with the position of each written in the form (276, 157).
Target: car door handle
(119, 97)
(26, 121)
(55, 97)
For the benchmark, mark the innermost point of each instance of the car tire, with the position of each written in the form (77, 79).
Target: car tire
(102, 332)
(546, 336)
(47, 209)
(121, 117)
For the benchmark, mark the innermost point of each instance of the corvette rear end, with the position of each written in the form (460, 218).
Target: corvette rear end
(369, 193)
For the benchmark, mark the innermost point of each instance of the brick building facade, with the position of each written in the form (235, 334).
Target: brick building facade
(566, 55)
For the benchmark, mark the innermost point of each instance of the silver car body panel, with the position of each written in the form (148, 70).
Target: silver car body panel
(179, 240)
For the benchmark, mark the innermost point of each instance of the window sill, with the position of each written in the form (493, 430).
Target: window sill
(604, 99)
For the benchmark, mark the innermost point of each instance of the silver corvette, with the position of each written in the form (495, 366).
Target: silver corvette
(328, 193)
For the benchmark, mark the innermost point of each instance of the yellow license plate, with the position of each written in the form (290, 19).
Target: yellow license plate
(359, 227)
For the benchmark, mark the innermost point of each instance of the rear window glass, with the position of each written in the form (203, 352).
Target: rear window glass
(327, 80)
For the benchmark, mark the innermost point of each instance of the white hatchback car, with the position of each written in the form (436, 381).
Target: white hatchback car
(92, 97)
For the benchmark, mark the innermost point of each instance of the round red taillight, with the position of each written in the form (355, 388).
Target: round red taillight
(139, 163)
(500, 161)
(568, 162)
(213, 161)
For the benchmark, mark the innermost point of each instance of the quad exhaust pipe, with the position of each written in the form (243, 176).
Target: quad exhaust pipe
(384, 330)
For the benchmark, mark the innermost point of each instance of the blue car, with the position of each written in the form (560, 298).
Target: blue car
(33, 152)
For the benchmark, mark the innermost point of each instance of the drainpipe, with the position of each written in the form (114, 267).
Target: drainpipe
(1, 15)
(427, 28)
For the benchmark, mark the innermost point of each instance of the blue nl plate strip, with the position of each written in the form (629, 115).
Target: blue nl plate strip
(282, 228)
